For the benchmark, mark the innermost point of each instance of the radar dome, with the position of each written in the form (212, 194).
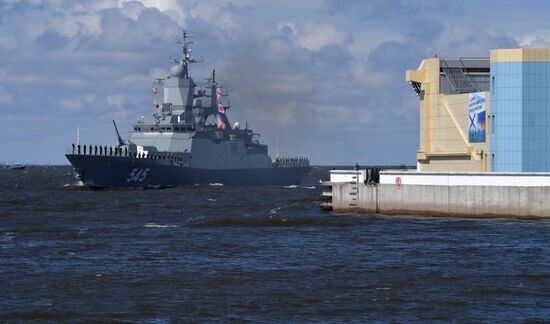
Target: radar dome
(237, 125)
(176, 70)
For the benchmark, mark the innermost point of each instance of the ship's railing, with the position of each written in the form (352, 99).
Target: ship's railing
(291, 162)
(99, 150)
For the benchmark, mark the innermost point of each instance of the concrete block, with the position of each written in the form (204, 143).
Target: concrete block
(467, 201)
(535, 201)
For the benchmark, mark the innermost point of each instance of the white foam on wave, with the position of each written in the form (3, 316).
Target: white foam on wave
(151, 225)
(296, 186)
(210, 199)
(215, 184)
(8, 236)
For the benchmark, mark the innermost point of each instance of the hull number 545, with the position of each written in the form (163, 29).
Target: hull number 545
(137, 175)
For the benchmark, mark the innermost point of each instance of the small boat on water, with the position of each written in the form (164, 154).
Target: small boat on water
(15, 166)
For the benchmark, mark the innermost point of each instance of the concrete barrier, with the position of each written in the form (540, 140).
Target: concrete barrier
(444, 200)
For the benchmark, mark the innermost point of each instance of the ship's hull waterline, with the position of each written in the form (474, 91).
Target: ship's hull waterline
(123, 171)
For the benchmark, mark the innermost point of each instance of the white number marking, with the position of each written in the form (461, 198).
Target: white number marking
(143, 175)
(131, 176)
(137, 175)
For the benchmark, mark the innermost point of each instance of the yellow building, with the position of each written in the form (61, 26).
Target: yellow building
(447, 90)
(485, 114)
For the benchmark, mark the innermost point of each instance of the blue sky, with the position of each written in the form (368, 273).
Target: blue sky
(326, 77)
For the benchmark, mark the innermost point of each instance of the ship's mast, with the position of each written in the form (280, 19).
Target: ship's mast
(277, 146)
(186, 57)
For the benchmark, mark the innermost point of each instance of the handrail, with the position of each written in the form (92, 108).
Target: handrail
(466, 75)
(110, 151)
(445, 70)
(291, 162)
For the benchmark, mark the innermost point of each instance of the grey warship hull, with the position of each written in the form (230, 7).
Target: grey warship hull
(122, 171)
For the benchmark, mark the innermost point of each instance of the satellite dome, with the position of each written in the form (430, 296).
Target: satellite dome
(176, 70)
(237, 125)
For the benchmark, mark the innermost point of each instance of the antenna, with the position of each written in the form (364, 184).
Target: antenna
(277, 146)
(78, 136)
(186, 57)
(120, 141)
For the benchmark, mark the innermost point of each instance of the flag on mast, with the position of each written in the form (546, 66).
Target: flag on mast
(221, 124)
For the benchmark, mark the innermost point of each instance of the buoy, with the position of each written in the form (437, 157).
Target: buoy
(155, 90)
(155, 104)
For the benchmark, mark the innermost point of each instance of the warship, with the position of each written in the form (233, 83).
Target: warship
(189, 141)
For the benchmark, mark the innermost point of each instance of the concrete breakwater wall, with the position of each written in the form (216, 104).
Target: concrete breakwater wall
(465, 200)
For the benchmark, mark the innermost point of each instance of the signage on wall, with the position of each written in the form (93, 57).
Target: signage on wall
(476, 113)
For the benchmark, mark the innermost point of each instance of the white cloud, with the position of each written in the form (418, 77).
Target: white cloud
(75, 23)
(96, 60)
(134, 81)
(70, 104)
(217, 14)
(535, 39)
(366, 40)
(170, 7)
(284, 25)
(316, 35)
(471, 40)
(131, 9)
(115, 100)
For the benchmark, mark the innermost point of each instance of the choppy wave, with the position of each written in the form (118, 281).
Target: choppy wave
(266, 221)
(260, 254)
(152, 225)
(274, 210)
(297, 186)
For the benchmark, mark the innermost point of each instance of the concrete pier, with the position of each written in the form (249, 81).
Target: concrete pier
(518, 195)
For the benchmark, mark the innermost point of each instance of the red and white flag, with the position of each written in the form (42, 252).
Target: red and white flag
(221, 124)
(221, 109)
(219, 93)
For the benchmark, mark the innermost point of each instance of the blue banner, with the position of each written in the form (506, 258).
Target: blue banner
(476, 113)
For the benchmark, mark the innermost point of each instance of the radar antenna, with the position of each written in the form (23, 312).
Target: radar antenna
(186, 57)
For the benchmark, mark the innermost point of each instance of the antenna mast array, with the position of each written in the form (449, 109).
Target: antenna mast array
(186, 57)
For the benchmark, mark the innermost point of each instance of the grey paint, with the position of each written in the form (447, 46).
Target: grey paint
(433, 200)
